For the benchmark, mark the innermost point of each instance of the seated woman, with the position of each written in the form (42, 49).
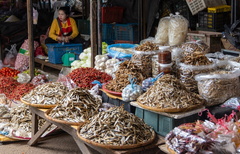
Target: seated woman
(64, 29)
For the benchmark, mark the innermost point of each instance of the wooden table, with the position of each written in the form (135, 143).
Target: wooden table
(46, 63)
(86, 148)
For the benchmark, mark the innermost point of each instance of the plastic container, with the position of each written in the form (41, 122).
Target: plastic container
(108, 35)
(218, 9)
(68, 58)
(127, 32)
(83, 26)
(166, 68)
(116, 54)
(112, 14)
(57, 50)
(164, 56)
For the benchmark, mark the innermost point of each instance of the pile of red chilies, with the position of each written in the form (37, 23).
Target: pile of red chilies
(20, 90)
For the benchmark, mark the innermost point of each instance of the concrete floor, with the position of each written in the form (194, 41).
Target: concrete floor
(60, 143)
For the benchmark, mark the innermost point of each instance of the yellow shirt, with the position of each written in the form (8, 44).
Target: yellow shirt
(55, 29)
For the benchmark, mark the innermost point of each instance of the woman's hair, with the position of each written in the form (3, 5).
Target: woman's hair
(65, 9)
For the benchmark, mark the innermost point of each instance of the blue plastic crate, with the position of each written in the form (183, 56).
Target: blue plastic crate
(57, 50)
(108, 35)
(127, 32)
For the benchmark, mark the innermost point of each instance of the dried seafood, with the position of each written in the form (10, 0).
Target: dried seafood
(20, 123)
(218, 86)
(147, 46)
(197, 59)
(46, 94)
(237, 59)
(168, 92)
(121, 80)
(116, 127)
(78, 105)
(191, 47)
(4, 111)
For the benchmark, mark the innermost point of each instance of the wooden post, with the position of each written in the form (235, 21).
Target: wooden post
(30, 37)
(93, 26)
(99, 26)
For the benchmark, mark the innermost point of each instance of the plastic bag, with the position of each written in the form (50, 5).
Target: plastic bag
(23, 78)
(39, 79)
(22, 62)
(147, 83)
(10, 56)
(161, 36)
(216, 87)
(67, 81)
(24, 49)
(178, 28)
(188, 72)
(198, 46)
(233, 103)
(132, 91)
(124, 50)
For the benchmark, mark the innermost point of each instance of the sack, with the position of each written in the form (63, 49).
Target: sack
(25, 47)
(22, 62)
(10, 56)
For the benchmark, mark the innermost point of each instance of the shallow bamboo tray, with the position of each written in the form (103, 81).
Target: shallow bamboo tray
(116, 146)
(61, 121)
(170, 110)
(38, 105)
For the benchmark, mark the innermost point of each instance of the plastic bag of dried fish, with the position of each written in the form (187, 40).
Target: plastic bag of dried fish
(198, 46)
(67, 81)
(147, 83)
(117, 127)
(218, 86)
(46, 94)
(131, 91)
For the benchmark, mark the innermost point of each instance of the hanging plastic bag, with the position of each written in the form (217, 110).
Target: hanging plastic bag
(161, 36)
(178, 28)
(132, 91)
(11, 56)
(147, 83)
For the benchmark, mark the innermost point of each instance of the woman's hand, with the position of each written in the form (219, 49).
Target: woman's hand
(60, 39)
(67, 39)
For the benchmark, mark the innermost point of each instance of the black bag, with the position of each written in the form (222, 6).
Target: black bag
(233, 34)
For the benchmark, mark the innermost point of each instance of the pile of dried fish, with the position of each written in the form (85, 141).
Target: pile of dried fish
(121, 80)
(168, 92)
(20, 123)
(218, 86)
(147, 46)
(191, 47)
(4, 111)
(78, 105)
(46, 94)
(116, 127)
(196, 59)
(237, 59)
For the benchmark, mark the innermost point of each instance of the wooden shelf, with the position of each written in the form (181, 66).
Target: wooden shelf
(46, 63)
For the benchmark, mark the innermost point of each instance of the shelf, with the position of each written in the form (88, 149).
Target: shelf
(46, 63)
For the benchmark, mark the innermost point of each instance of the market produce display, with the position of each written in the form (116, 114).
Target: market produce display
(76, 107)
(20, 90)
(125, 69)
(143, 55)
(100, 62)
(169, 95)
(215, 136)
(8, 72)
(45, 95)
(191, 65)
(191, 47)
(116, 129)
(218, 86)
(84, 77)
(161, 36)
(4, 111)
(7, 85)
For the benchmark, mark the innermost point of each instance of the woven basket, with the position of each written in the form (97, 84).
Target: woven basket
(116, 146)
(61, 121)
(38, 105)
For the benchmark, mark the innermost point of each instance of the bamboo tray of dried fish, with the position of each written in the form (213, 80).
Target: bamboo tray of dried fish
(170, 110)
(61, 121)
(117, 146)
(37, 105)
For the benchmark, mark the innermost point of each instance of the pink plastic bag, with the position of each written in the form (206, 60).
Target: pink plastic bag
(10, 56)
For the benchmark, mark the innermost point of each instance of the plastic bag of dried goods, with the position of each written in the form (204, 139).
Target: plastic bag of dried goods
(147, 83)
(161, 36)
(198, 46)
(178, 28)
(132, 91)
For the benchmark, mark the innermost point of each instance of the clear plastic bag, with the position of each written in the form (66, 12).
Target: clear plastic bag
(23, 78)
(198, 46)
(217, 87)
(178, 28)
(132, 91)
(67, 81)
(233, 103)
(188, 72)
(11, 56)
(147, 83)
(161, 36)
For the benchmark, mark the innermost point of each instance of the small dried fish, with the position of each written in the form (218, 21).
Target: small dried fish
(116, 127)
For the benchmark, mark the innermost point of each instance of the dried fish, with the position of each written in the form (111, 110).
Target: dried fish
(46, 94)
(168, 92)
(116, 127)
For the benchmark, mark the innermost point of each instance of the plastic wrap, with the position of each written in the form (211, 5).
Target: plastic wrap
(132, 91)
(10, 56)
(233, 103)
(217, 87)
(178, 28)
(198, 46)
(67, 81)
(123, 53)
(188, 72)
(150, 81)
(161, 36)
(143, 56)
(23, 78)
(38, 80)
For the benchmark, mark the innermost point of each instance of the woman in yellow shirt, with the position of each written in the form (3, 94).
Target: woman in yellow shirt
(64, 29)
